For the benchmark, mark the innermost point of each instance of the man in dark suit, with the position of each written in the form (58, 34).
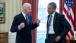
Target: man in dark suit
(22, 24)
(57, 26)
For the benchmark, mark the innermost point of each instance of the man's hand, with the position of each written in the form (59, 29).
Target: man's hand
(57, 38)
(22, 25)
(38, 21)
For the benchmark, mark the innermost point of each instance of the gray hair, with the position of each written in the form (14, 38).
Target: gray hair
(53, 4)
(25, 6)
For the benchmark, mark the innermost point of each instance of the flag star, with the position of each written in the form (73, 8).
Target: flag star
(66, 1)
(70, 2)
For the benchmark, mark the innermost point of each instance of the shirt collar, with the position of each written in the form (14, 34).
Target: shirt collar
(53, 14)
(24, 14)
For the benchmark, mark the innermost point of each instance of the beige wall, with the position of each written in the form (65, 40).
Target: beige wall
(12, 7)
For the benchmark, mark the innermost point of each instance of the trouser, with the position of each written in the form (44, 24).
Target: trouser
(51, 39)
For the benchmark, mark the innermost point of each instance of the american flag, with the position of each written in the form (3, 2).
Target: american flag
(68, 11)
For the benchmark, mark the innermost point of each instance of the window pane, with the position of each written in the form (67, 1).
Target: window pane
(42, 14)
(44, 3)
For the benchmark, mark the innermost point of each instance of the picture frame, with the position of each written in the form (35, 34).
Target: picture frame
(2, 12)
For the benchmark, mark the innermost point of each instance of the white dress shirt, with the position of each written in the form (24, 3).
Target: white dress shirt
(24, 15)
(51, 29)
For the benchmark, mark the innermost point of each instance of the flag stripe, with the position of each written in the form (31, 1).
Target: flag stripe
(69, 17)
(68, 36)
(71, 32)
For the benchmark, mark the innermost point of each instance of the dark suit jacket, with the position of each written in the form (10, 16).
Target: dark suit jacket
(60, 25)
(23, 35)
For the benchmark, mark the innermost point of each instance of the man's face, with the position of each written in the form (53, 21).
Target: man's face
(50, 9)
(28, 10)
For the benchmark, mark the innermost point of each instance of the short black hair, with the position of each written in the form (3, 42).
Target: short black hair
(53, 4)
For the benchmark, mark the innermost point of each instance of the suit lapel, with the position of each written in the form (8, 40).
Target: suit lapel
(22, 19)
(48, 23)
(48, 20)
(55, 16)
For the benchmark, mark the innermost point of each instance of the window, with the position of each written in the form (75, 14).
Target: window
(42, 15)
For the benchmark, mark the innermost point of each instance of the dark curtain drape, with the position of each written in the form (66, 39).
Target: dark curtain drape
(74, 14)
(34, 14)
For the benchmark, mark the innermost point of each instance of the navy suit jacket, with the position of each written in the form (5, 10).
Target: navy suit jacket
(60, 24)
(23, 35)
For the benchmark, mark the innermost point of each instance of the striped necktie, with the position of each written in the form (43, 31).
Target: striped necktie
(50, 19)
(27, 19)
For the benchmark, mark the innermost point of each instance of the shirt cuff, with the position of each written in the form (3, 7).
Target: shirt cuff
(19, 28)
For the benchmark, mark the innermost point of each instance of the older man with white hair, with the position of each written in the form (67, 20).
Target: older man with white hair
(22, 24)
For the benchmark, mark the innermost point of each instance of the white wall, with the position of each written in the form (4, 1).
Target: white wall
(12, 7)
